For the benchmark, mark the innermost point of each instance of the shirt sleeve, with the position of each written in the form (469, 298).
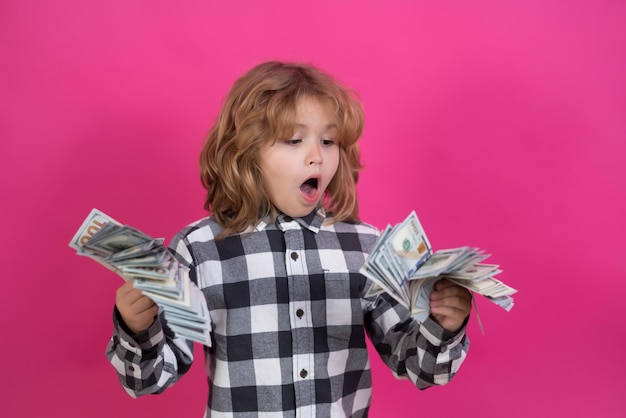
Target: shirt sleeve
(150, 362)
(424, 352)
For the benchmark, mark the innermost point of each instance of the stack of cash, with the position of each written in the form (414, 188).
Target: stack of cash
(152, 268)
(403, 265)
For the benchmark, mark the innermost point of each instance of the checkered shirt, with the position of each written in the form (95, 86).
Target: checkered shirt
(289, 318)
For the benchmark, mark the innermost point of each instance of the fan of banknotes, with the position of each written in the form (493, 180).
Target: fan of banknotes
(152, 268)
(404, 265)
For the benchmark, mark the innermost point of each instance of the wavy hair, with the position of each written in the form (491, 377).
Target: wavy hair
(260, 109)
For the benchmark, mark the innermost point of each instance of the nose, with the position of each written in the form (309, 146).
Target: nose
(315, 155)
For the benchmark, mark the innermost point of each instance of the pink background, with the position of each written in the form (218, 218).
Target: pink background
(503, 124)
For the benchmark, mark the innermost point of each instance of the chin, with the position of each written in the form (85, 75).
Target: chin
(299, 212)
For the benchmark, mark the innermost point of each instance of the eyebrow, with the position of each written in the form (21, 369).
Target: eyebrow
(327, 127)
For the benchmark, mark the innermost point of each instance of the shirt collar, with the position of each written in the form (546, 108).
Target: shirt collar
(313, 221)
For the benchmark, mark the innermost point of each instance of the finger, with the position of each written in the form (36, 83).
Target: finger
(450, 291)
(451, 323)
(446, 284)
(149, 311)
(126, 287)
(451, 307)
(449, 312)
(460, 301)
(141, 322)
(443, 284)
(143, 304)
(128, 293)
(452, 298)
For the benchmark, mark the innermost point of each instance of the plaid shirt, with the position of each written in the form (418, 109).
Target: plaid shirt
(289, 319)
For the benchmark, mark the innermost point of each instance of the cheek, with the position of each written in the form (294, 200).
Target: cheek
(333, 169)
(266, 177)
(335, 159)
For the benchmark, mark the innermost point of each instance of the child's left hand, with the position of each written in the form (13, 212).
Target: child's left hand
(450, 305)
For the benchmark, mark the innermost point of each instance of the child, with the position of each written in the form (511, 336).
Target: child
(278, 262)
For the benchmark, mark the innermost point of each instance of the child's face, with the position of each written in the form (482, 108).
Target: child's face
(297, 171)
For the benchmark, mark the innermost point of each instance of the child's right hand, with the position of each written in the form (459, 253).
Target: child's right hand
(138, 311)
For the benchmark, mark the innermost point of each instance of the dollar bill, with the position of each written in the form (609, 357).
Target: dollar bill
(403, 264)
(144, 260)
(92, 224)
(407, 246)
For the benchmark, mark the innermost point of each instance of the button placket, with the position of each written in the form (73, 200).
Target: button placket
(300, 309)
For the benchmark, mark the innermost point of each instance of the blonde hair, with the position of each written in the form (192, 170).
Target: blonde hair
(260, 109)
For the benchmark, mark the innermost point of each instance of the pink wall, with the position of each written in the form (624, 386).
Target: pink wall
(501, 123)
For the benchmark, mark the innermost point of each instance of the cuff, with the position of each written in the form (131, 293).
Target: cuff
(439, 336)
(145, 340)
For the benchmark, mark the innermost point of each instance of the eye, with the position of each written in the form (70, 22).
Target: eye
(328, 142)
(293, 141)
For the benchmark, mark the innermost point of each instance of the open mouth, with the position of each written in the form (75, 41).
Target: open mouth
(309, 187)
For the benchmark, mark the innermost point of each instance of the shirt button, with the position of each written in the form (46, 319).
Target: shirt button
(299, 313)
(288, 219)
(294, 255)
(303, 373)
(132, 369)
